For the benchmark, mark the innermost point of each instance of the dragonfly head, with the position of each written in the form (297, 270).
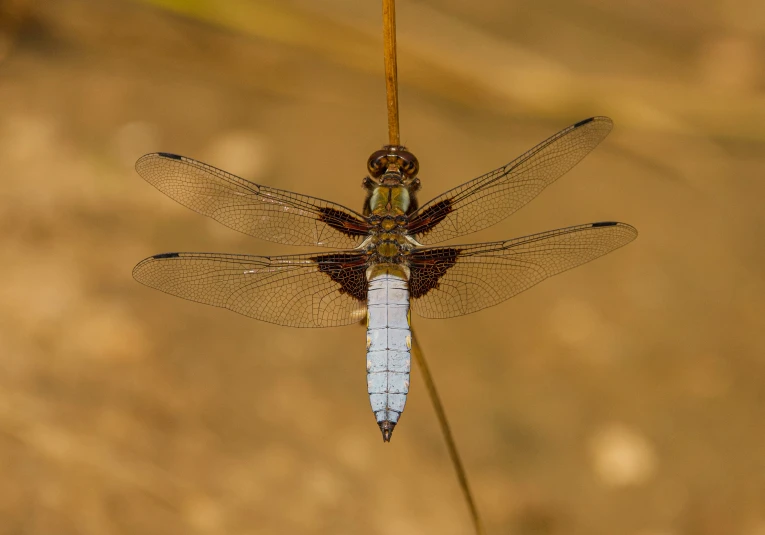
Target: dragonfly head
(393, 165)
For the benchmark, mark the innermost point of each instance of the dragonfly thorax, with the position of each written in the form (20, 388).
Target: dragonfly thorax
(389, 201)
(389, 241)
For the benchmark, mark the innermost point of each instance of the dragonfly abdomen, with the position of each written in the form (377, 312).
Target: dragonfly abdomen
(389, 341)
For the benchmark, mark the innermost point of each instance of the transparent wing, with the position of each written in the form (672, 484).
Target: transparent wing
(492, 197)
(321, 290)
(458, 280)
(266, 213)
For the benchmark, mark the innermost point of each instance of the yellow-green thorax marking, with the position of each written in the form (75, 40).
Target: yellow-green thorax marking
(389, 201)
(390, 204)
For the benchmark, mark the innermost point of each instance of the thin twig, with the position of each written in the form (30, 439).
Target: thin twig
(419, 356)
(391, 70)
(391, 89)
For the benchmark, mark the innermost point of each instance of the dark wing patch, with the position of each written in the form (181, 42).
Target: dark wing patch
(422, 222)
(343, 222)
(348, 270)
(427, 268)
(165, 255)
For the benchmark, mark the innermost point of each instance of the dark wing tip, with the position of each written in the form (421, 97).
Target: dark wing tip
(139, 164)
(584, 122)
(630, 231)
(138, 270)
(602, 119)
(169, 155)
(152, 155)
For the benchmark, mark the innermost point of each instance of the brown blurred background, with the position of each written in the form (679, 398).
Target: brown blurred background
(625, 397)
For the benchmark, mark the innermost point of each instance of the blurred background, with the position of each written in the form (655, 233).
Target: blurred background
(622, 397)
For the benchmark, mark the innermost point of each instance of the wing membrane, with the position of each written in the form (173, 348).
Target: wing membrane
(267, 213)
(322, 290)
(488, 199)
(453, 281)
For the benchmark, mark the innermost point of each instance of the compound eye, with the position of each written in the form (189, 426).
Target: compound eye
(377, 163)
(409, 164)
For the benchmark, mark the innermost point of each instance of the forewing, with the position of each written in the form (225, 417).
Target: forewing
(319, 290)
(266, 213)
(490, 198)
(458, 280)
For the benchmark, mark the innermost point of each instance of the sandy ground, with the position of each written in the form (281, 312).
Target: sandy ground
(622, 397)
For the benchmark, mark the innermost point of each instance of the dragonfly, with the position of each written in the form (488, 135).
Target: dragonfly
(383, 262)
